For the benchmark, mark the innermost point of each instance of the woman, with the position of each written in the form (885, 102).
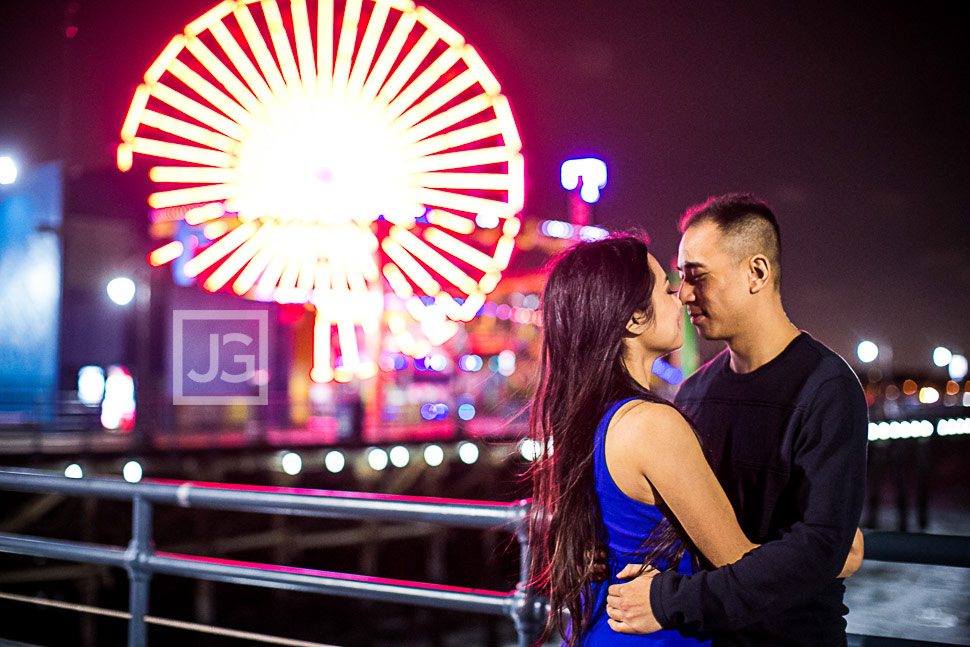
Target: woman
(625, 469)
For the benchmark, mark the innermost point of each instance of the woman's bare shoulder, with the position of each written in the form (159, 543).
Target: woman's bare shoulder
(640, 420)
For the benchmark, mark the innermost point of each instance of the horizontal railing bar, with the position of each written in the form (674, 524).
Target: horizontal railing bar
(917, 548)
(255, 574)
(339, 584)
(72, 551)
(303, 502)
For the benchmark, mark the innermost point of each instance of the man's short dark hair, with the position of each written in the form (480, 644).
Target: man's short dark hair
(746, 219)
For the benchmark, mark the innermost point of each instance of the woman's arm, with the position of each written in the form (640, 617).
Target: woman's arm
(650, 451)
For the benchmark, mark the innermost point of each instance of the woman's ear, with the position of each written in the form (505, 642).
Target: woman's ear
(637, 322)
(759, 273)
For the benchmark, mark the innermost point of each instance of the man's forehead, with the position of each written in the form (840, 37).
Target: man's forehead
(702, 244)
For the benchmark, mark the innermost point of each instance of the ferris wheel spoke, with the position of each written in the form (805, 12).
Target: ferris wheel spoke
(199, 263)
(427, 254)
(242, 63)
(210, 93)
(461, 250)
(460, 202)
(304, 44)
(365, 55)
(406, 68)
(484, 181)
(435, 101)
(202, 193)
(224, 75)
(193, 175)
(197, 111)
(345, 44)
(258, 46)
(423, 82)
(181, 152)
(395, 278)
(393, 47)
(238, 258)
(188, 131)
(209, 18)
(158, 67)
(453, 222)
(281, 43)
(458, 137)
(410, 266)
(444, 120)
(460, 159)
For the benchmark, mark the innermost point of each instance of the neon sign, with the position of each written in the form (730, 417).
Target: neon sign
(334, 157)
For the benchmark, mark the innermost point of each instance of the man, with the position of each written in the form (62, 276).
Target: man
(783, 421)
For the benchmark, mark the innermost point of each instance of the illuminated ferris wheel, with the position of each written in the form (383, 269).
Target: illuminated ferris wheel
(340, 155)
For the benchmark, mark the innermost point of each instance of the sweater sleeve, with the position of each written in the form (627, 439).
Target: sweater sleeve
(829, 481)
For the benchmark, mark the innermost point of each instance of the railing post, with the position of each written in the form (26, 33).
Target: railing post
(528, 611)
(139, 573)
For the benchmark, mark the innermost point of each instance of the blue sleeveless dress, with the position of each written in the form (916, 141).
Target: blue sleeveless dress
(627, 522)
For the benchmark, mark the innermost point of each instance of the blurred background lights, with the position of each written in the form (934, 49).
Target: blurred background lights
(121, 290)
(506, 363)
(292, 463)
(867, 351)
(73, 471)
(118, 406)
(334, 461)
(466, 411)
(468, 452)
(942, 356)
(929, 395)
(530, 449)
(590, 233)
(377, 458)
(400, 456)
(556, 229)
(470, 363)
(90, 385)
(486, 220)
(434, 455)
(132, 471)
(588, 170)
(958, 367)
(8, 170)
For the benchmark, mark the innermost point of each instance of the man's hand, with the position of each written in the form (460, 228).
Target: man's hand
(628, 605)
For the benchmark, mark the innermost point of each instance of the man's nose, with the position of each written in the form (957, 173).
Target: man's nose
(685, 292)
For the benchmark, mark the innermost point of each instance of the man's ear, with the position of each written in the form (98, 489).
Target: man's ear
(759, 273)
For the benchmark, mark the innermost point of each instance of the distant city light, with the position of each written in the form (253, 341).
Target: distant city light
(466, 411)
(506, 363)
(90, 385)
(292, 463)
(8, 170)
(377, 458)
(909, 387)
(434, 455)
(941, 356)
(486, 220)
(118, 406)
(958, 367)
(468, 452)
(334, 461)
(470, 363)
(530, 449)
(590, 170)
(867, 351)
(556, 229)
(929, 395)
(121, 290)
(952, 427)
(132, 471)
(73, 471)
(900, 429)
(590, 233)
(400, 456)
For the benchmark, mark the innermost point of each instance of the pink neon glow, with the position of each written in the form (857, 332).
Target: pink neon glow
(306, 126)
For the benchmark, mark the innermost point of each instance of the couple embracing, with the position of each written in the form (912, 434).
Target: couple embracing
(727, 517)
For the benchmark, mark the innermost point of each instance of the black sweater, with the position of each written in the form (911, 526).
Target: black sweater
(788, 444)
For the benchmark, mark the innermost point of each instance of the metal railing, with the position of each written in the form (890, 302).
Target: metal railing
(141, 561)
(526, 610)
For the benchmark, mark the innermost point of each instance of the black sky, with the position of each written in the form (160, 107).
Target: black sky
(850, 119)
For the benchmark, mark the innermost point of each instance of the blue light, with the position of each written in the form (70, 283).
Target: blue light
(667, 373)
(429, 411)
(470, 363)
(466, 411)
(556, 229)
(590, 170)
(590, 233)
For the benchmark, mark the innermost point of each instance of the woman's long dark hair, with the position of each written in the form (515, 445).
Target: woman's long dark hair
(592, 291)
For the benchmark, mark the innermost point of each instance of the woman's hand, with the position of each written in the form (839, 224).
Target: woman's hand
(854, 560)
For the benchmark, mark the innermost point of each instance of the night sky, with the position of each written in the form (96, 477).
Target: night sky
(850, 119)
